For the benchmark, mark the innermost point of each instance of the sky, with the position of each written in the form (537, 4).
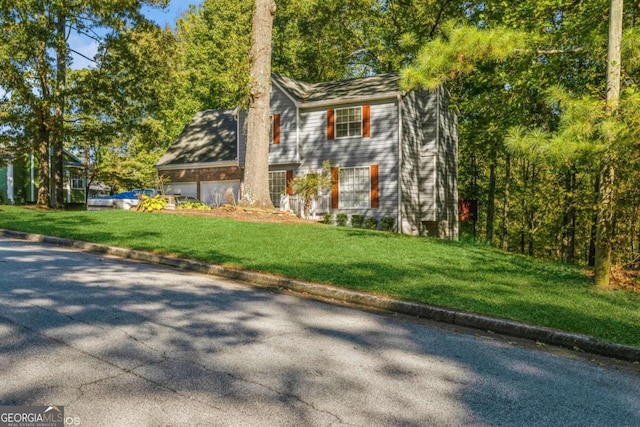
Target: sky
(162, 17)
(169, 15)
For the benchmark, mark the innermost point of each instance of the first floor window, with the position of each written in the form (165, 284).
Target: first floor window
(77, 182)
(354, 186)
(277, 186)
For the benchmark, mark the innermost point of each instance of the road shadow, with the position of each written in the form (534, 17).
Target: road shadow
(231, 347)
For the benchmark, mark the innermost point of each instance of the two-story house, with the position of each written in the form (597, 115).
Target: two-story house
(394, 153)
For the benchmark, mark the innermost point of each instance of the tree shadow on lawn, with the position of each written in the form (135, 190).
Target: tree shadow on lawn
(546, 296)
(188, 338)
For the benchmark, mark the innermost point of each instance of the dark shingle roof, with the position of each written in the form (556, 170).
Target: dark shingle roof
(210, 137)
(344, 90)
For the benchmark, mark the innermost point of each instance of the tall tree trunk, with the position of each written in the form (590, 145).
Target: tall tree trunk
(569, 219)
(604, 232)
(256, 173)
(491, 197)
(57, 164)
(43, 166)
(505, 209)
(591, 261)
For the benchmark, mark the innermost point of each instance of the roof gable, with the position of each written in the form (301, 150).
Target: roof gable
(310, 94)
(210, 137)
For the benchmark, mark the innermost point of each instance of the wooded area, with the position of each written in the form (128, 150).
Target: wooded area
(543, 147)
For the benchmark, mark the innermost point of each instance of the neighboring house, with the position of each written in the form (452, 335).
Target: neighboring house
(394, 153)
(19, 180)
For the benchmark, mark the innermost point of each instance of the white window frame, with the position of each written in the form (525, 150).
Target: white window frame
(355, 120)
(279, 187)
(77, 182)
(354, 189)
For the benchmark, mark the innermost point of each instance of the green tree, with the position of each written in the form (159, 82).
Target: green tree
(34, 57)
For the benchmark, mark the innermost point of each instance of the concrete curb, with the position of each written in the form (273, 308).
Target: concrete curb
(541, 334)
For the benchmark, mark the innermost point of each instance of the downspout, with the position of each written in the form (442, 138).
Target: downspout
(240, 187)
(32, 189)
(436, 175)
(298, 134)
(399, 214)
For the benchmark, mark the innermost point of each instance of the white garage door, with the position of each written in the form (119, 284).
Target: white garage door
(218, 193)
(183, 188)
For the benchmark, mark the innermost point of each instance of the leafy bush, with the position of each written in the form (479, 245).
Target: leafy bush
(341, 219)
(357, 221)
(308, 186)
(388, 223)
(150, 204)
(327, 218)
(371, 223)
(193, 205)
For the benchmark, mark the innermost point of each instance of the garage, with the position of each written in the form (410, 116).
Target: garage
(218, 193)
(183, 188)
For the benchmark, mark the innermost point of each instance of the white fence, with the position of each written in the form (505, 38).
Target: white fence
(295, 204)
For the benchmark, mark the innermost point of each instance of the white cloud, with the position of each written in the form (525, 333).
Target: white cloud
(86, 47)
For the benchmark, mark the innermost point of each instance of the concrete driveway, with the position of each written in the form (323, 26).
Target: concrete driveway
(124, 343)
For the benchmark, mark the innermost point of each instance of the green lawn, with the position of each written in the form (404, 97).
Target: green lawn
(456, 275)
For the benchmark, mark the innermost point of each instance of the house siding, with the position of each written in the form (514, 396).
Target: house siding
(419, 159)
(24, 191)
(202, 174)
(381, 148)
(429, 166)
(286, 151)
(447, 177)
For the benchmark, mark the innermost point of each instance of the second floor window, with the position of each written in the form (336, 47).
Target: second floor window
(348, 122)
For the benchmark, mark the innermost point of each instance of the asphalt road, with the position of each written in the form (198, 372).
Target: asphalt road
(120, 343)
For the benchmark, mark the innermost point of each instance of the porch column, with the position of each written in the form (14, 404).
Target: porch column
(32, 184)
(68, 185)
(10, 195)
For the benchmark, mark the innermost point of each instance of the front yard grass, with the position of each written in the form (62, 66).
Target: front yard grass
(457, 275)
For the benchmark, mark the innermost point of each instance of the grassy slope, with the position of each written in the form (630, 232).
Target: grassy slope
(457, 275)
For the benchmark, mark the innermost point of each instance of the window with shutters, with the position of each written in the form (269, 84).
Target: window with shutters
(77, 182)
(354, 187)
(348, 122)
(277, 186)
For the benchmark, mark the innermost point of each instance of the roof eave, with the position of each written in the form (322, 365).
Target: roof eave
(201, 165)
(286, 92)
(354, 100)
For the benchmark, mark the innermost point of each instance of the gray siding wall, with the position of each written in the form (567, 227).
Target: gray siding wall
(447, 177)
(286, 151)
(429, 166)
(381, 149)
(421, 173)
(419, 160)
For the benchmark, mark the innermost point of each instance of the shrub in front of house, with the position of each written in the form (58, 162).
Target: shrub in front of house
(371, 223)
(327, 218)
(341, 219)
(357, 221)
(150, 204)
(193, 205)
(388, 223)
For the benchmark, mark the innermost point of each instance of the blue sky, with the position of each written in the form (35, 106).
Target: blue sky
(169, 15)
(162, 17)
